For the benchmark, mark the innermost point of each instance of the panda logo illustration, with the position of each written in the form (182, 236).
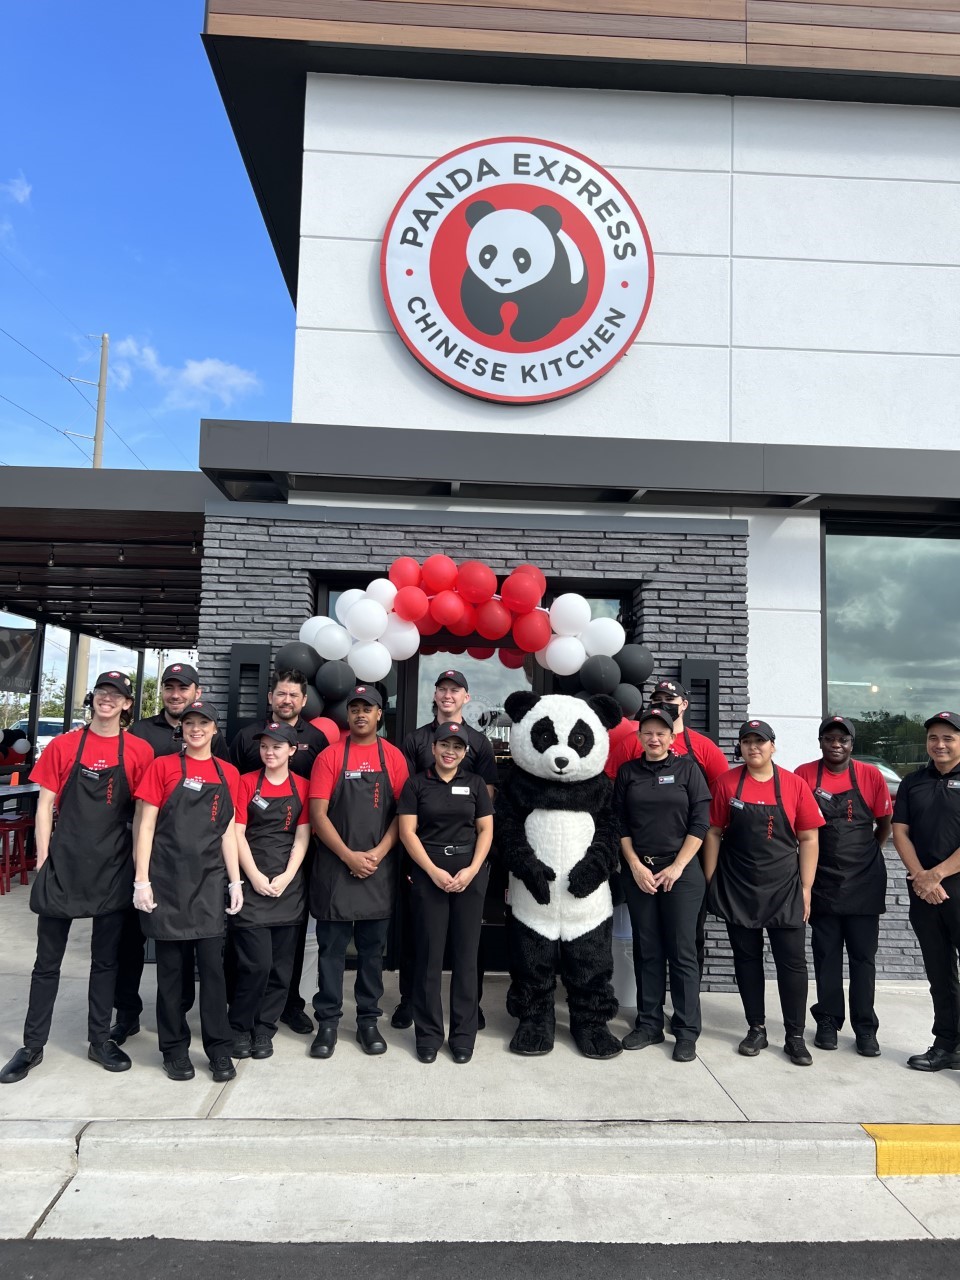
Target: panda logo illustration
(526, 259)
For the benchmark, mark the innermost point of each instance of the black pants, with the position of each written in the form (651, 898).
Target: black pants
(52, 934)
(264, 959)
(127, 1001)
(437, 916)
(333, 938)
(938, 931)
(174, 964)
(790, 959)
(295, 1002)
(861, 936)
(664, 927)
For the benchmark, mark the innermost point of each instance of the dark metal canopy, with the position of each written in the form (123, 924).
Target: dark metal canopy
(115, 552)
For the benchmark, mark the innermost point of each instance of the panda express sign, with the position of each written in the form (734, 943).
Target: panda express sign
(516, 270)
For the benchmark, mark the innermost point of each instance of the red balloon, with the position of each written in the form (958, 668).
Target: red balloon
(439, 574)
(428, 648)
(327, 727)
(493, 620)
(531, 631)
(404, 572)
(467, 624)
(455, 648)
(511, 658)
(411, 604)
(480, 654)
(476, 581)
(520, 593)
(428, 626)
(447, 608)
(534, 572)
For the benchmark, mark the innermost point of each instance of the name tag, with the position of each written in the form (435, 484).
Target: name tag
(260, 802)
(736, 804)
(302, 746)
(193, 784)
(90, 773)
(353, 773)
(664, 779)
(954, 784)
(460, 791)
(824, 795)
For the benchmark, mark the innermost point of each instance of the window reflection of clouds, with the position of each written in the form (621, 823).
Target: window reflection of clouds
(893, 609)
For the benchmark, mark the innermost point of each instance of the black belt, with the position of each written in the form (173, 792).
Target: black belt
(449, 850)
(650, 860)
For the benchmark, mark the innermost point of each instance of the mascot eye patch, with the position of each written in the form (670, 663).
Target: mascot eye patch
(581, 739)
(487, 255)
(543, 736)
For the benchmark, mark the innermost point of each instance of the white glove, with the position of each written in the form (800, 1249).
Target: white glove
(143, 896)
(236, 898)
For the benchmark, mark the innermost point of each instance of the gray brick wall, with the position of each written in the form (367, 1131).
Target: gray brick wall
(689, 598)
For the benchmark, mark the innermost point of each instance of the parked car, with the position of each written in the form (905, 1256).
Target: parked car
(47, 730)
(890, 775)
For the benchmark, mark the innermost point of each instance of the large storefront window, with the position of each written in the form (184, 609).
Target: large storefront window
(893, 616)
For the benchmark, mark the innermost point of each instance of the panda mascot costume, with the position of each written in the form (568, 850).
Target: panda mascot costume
(558, 839)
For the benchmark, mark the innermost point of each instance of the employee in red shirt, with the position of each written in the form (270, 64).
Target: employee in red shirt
(849, 892)
(273, 831)
(186, 857)
(84, 866)
(708, 756)
(354, 789)
(760, 859)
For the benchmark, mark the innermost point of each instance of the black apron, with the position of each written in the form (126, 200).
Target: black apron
(361, 809)
(186, 865)
(688, 742)
(271, 828)
(89, 867)
(851, 875)
(757, 881)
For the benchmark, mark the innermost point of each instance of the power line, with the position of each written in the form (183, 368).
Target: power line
(50, 301)
(58, 430)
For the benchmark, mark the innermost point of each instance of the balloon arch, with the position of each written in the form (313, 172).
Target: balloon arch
(388, 621)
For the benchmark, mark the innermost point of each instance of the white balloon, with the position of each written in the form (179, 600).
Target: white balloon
(367, 620)
(23, 746)
(383, 591)
(333, 642)
(541, 657)
(401, 639)
(565, 655)
(312, 628)
(370, 661)
(569, 615)
(603, 636)
(346, 603)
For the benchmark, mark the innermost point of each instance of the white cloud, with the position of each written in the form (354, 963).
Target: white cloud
(196, 384)
(16, 189)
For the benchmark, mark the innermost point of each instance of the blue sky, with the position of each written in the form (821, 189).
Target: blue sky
(125, 208)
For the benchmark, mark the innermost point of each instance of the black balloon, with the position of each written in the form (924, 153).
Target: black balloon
(313, 707)
(334, 681)
(297, 657)
(635, 663)
(337, 712)
(629, 697)
(600, 674)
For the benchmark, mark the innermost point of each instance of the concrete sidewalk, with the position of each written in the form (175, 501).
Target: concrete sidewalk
(357, 1148)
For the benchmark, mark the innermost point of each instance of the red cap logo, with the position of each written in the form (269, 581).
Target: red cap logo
(273, 726)
(177, 667)
(754, 724)
(454, 728)
(944, 715)
(114, 673)
(448, 673)
(361, 688)
(196, 704)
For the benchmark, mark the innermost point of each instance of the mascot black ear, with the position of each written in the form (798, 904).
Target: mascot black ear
(476, 210)
(518, 704)
(549, 216)
(608, 710)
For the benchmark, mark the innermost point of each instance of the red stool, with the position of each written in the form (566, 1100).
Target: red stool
(13, 850)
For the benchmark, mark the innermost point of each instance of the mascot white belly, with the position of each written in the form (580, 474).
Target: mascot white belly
(559, 838)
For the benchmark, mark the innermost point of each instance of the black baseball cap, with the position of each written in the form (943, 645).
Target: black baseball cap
(669, 688)
(456, 676)
(365, 693)
(279, 733)
(118, 680)
(181, 671)
(205, 709)
(944, 717)
(452, 729)
(658, 713)
(759, 727)
(837, 722)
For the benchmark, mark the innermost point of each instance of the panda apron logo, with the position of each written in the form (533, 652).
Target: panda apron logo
(516, 270)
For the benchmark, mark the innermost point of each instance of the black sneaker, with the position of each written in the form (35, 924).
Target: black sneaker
(641, 1038)
(867, 1045)
(122, 1030)
(242, 1046)
(262, 1047)
(23, 1060)
(298, 1020)
(109, 1056)
(797, 1051)
(826, 1037)
(402, 1017)
(685, 1051)
(753, 1042)
(179, 1068)
(933, 1060)
(223, 1070)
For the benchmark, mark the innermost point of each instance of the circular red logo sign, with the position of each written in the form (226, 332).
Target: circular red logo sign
(516, 270)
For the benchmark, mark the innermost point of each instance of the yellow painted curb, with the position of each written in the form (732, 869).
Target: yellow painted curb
(916, 1148)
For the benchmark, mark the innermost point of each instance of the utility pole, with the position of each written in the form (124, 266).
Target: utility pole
(82, 673)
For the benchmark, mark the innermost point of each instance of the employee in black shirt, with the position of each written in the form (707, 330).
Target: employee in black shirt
(287, 698)
(446, 826)
(662, 802)
(451, 694)
(926, 833)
